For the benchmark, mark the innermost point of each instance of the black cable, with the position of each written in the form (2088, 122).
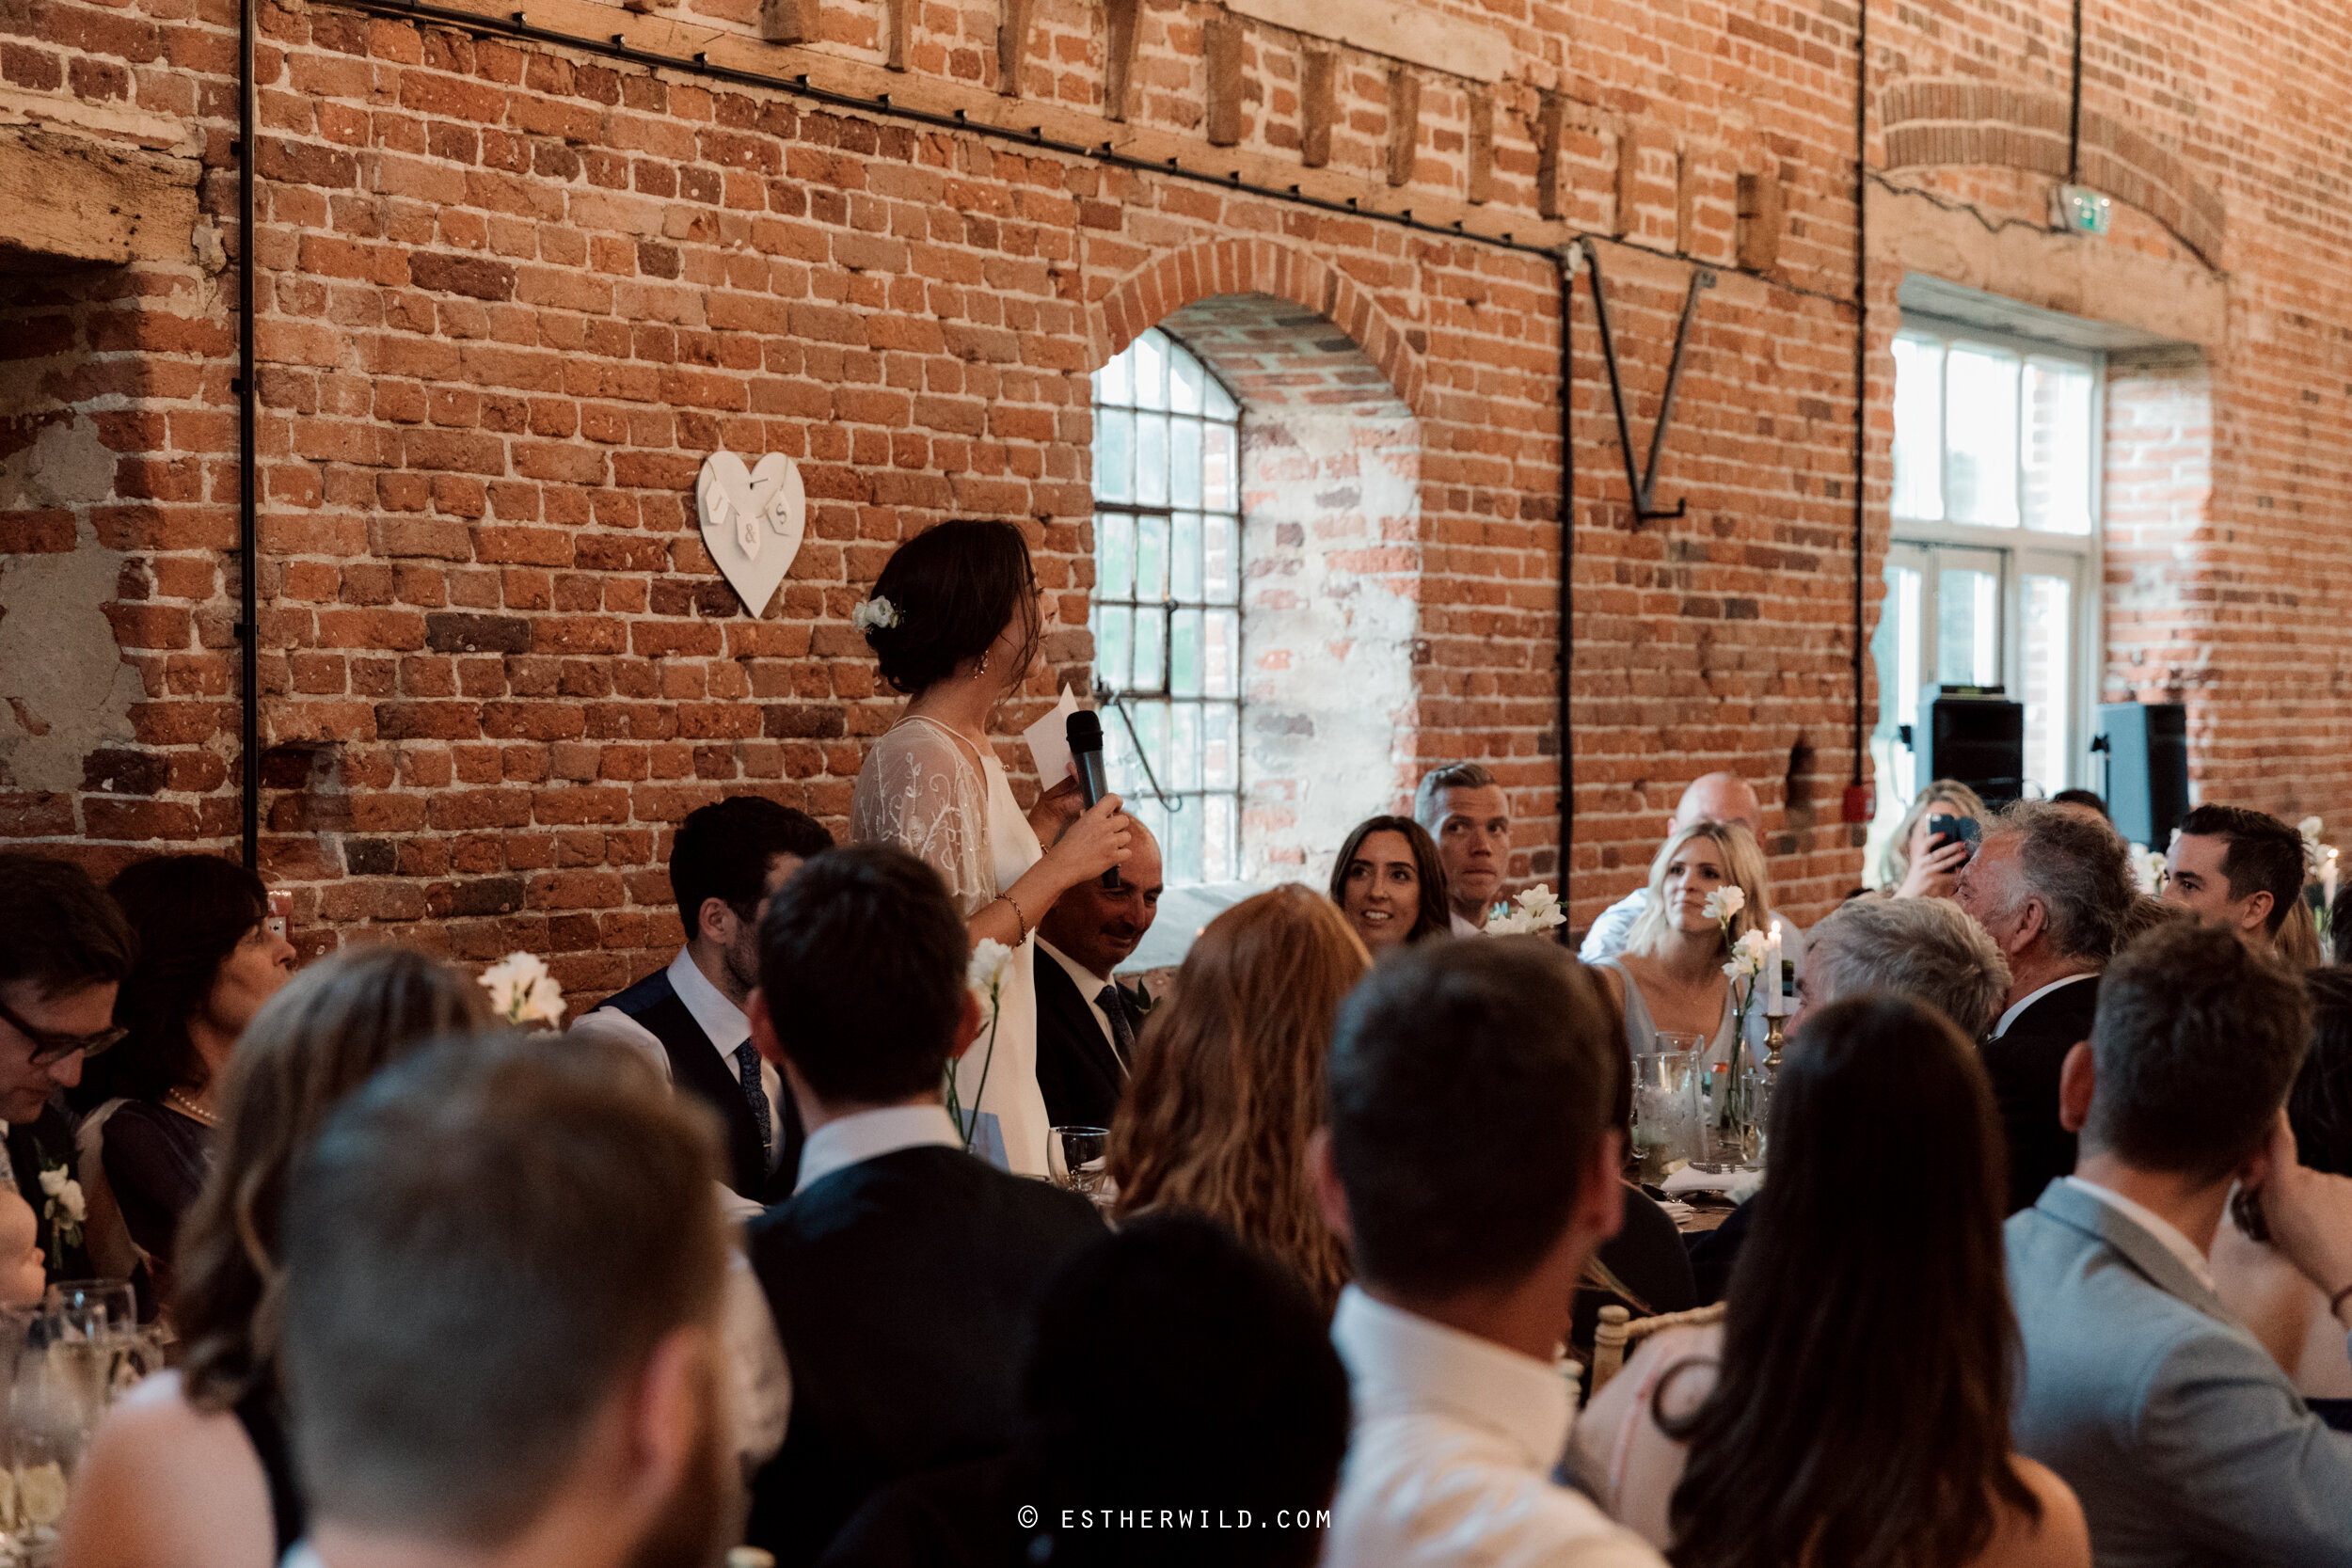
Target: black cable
(1567, 561)
(248, 523)
(2075, 106)
(1861, 362)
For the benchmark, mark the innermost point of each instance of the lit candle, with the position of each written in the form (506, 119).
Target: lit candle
(1775, 1005)
(2327, 881)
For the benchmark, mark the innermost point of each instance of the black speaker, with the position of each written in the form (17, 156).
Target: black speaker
(2147, 752)
(1979, 741)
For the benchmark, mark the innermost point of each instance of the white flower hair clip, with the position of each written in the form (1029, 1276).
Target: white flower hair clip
(876, 611)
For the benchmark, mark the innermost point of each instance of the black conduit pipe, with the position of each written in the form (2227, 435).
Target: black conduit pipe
(248, 523)
(1857, 797)
(1567, 561)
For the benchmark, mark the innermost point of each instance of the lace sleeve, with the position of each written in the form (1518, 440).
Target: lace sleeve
(918, 790)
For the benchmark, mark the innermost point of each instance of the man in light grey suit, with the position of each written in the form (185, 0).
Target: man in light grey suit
(2185, 1441)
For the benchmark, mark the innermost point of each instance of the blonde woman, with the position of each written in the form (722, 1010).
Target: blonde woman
(1914, 865)
(1228, 1083)
(1670, 977)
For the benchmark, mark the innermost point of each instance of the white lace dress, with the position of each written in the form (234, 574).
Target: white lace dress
(922, 790)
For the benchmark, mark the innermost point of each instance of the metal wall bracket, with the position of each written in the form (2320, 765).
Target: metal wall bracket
(1644, 484)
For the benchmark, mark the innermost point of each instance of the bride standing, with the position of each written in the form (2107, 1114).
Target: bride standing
(957, 620)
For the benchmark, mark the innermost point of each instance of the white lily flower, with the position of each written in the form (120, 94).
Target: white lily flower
(986, 972)
(522, 992)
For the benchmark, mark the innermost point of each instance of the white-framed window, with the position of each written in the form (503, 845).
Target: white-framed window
(1166, 607)
(1992, 575)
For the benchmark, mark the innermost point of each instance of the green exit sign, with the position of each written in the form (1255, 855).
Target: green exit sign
(2081, 209)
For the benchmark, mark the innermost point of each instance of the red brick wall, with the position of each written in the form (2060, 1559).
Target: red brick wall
(512, 296)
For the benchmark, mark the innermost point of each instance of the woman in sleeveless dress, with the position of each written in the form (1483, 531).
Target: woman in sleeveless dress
(957, 621)
(1671, 974)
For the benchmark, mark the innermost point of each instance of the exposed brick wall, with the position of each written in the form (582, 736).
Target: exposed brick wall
(511, 296)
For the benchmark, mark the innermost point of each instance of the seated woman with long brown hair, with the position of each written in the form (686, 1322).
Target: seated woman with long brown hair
(1227, 1084)
(1853, 1408)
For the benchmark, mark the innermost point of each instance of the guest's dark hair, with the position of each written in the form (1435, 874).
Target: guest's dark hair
(2197, 1039)
(1433, 918)
(2320, 1104)
(2080, 870)
(2340, 928)
(1215, 1369)
(863, 957)
(1471, 1084)
(2261, 854)
(190, 911)
(954, 588)
(481, 1246)
(1861, 1413)
(723, 851)
(62, 933)
(2083, 798)
(320, 1038)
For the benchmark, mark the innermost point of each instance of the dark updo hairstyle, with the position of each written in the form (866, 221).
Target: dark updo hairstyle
(955, 587)
(190, 912)
(2320, 1104)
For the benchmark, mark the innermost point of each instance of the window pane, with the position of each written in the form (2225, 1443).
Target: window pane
(1967, 634)
(1217, 470)
(2058, 446)
(1184, 462)
(1220, 406)
(1220, 751)
(1150, 352)
(1184, 746)
(1918, 429)
(1183, 381)
(1150, 649)
(1895, 657)
(1183, 657)
(1114, 455)
(1220, 841)
(1980, 436)
(1114, 556)
(1222, 654)
(1152, 559)
(1219, 581)
(1113, 638)
(1152, 729)
(1113, 383)
(2048, 680)
(1184, 557)
(1152, 459)
(1181, 843)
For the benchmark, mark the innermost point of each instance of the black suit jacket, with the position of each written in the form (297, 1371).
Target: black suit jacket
(49, 1141)
(697, 1069)
(1077, 1069)
(2024, 1065)
(901, 1288)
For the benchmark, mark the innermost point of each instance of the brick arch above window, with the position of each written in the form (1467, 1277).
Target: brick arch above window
(1929, 123)
(1165, 286)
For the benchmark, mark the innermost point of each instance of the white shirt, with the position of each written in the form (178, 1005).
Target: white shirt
(862, 1135)
(719, 1018)
(1090, 987)
(1464, 926)
(1450, 1457)
(2156, 1225)
(2009, 1017)
(1606, 940)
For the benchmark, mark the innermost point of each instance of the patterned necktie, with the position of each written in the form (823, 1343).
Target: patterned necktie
(1123, 1038)
(747, 1062)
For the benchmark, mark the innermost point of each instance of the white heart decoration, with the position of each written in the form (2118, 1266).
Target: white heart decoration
(752, 521)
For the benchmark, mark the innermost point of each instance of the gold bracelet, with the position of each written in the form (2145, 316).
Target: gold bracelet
(1020, 918)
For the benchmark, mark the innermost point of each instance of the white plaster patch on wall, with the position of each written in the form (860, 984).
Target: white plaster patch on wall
(1329, 499)
(64, 691)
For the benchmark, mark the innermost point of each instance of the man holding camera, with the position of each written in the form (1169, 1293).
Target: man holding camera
(2051, 887)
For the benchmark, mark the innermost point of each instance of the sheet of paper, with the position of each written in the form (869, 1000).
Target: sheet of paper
(1049, 742)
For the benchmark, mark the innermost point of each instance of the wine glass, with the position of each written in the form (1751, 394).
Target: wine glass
(1075, 1157)
(54, 1402)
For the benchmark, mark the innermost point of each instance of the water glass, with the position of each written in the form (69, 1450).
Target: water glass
(1665, 1111)
(1075, 1156)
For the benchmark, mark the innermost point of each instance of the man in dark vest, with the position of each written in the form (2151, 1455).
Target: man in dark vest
(726, 862)
(1085, 1022)
(902, 1272)
(64, 950)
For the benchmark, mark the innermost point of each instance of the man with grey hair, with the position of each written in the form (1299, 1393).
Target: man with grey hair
(1463, 809)
(2053, 889)
(1923, 948)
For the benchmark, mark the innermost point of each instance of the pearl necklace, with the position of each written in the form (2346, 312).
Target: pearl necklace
(190, 1108)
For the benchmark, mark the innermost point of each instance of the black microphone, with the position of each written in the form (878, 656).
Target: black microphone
(1085, 734)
